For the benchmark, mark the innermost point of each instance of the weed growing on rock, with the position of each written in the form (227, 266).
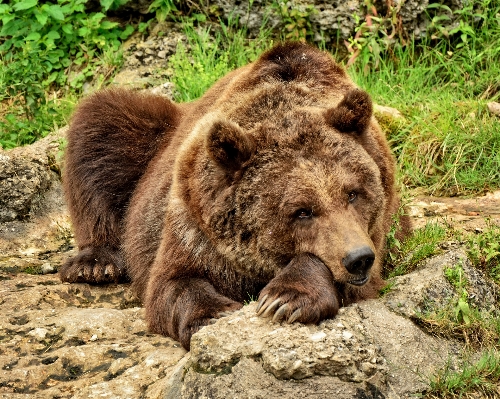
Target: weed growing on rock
(460, 319)
(483, 250)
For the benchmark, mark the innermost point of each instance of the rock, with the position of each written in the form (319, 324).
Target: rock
(47, 268)
(366, 348)
(494, 108)
(331, 20)
(427, 287)
(26, 173)
(78, 341)
(166, 89)
(146, 62)
(388, 112)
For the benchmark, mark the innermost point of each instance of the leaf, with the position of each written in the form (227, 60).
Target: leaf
(67, 28)
(108, 25)
(33, 36)
(127, 32)
(97, 17)
(53, 35)
(83, 31)
(106, 4)
(463, 308)
(4, 8)
(6, 19)
(41, 17)
(24, 5)
(56, 12)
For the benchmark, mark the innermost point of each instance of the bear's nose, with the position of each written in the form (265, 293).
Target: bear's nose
(359, 260)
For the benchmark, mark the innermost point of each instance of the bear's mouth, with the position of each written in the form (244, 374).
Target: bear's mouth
(359, 280)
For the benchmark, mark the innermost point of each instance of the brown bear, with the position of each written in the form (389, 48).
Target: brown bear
(278, 182)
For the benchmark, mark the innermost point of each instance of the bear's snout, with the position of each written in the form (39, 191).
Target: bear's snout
(358, 262)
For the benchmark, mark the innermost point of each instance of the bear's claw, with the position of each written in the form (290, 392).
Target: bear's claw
(269, 307)
(280, 313)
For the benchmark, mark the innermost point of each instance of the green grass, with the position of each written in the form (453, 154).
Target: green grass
(449, 144)
(480, 377)
(423, 243)
(483, 250)
(212, 55)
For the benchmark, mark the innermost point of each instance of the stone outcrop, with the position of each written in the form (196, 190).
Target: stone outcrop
(428, 288)
(26, 173)
(365, 350)
(329, 20)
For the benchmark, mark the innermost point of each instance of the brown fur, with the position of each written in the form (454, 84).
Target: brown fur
(277, 181)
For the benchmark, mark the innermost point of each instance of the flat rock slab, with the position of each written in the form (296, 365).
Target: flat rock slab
(78, 341)
(463, 213)
(366, 350)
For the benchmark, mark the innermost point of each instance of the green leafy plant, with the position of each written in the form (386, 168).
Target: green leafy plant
(455, 275)
(458, 318)
(297, 20)
(163, 8)
(483, 249)
(375, 35)
(43, 47)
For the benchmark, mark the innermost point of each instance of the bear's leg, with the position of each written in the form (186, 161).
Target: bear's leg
(113, 136)
(180, 307)
(303, 291)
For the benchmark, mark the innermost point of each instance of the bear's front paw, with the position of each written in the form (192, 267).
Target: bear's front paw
(303, 291)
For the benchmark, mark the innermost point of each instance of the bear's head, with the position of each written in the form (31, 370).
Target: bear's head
(284, 170)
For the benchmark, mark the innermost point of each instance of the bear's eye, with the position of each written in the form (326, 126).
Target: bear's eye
(352, 196)
(303, 213)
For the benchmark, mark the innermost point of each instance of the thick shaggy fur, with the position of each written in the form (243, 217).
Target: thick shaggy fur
(278, 181)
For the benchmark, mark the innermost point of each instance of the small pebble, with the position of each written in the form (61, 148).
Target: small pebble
(318, 336)
(47, 268)
(494, 108)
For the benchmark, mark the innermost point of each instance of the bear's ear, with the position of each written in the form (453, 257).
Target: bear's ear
(353, 113)
(228, 145)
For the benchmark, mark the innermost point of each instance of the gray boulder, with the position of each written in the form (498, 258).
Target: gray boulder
(366, 350)
(26, 173)
(427, 287)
